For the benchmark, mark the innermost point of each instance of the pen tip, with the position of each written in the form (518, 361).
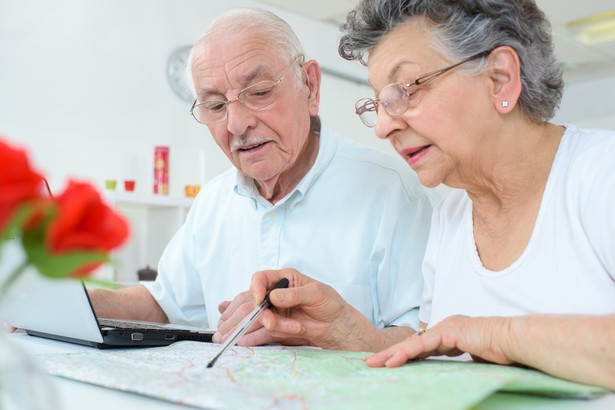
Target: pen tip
(210, 364)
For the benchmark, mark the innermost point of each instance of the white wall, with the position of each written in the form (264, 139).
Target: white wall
(589, 104)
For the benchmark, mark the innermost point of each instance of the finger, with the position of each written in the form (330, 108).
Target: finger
(262, 281)
(222, 338)
(411, 348)
(378, 359)
(311, 294)
(282, 327)
(223, 306)
(258, 337)
(239, 300)
(253, 328)
(225, 327)
(265, 280)
(400, 357)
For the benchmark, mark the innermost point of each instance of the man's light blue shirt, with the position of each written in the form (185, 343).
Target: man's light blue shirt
(358, 221)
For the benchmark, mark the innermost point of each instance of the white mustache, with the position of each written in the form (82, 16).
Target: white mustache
(248, 142)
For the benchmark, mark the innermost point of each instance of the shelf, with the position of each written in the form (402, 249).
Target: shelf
(153, 219)
(148, 199)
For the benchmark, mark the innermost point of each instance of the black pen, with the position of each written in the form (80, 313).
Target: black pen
(247, 322)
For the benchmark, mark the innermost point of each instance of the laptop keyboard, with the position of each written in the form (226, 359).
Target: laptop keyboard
(153, 334)
(121, 324)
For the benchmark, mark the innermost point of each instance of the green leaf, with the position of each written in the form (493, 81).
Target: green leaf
(57, 265)
(63, 265)
(16, 221)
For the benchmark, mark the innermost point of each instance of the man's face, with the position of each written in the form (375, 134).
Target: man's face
(263, 144)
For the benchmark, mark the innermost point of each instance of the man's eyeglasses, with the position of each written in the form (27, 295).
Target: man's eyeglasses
(255, 97)
(395, 98)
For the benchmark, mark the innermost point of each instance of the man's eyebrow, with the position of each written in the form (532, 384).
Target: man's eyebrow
(204, 93)
(247, 79)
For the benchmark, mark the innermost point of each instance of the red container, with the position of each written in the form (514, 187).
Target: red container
(161, 170)
(129, 185)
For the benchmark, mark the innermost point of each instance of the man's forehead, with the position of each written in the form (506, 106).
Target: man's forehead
(242, 65)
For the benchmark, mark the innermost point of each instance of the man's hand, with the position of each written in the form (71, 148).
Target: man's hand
(307, 313)
(311, 313)
(233, 312)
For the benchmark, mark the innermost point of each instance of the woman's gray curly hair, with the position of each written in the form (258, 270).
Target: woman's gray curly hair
(462, 28)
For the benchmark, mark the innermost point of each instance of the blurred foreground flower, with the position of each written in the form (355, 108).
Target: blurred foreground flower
(66, 236)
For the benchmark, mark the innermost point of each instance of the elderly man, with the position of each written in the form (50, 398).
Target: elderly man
(298, 197)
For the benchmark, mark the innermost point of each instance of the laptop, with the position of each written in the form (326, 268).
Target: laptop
(60, 309)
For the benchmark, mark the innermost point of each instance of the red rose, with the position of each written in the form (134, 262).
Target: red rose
(70, 235)
(84, 222)
(18, 182)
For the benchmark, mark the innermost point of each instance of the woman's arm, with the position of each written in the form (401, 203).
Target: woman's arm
(573, 347)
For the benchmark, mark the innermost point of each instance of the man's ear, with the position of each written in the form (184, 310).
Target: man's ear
(312, 82)
(505, 75)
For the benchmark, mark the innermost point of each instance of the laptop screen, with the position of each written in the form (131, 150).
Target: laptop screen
(53, 306)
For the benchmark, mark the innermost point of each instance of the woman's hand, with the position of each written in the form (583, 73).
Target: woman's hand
(483, 338)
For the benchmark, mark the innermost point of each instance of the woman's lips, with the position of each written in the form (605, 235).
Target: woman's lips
(413, 155)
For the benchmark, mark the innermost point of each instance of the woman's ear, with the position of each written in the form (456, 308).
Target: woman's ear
(505, 76)
(312, 80)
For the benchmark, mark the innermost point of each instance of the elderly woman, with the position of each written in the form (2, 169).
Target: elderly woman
(464, 91)
(520, 264)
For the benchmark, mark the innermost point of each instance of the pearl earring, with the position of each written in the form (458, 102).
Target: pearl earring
(504, 103)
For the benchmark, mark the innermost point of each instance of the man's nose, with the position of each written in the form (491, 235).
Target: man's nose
(239, 117)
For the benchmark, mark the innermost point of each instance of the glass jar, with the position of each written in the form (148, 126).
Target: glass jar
(23, 384)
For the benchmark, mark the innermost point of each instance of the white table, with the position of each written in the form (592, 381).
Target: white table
(74, 395)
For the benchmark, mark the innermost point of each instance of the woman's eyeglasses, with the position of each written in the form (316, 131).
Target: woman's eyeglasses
(395, 98)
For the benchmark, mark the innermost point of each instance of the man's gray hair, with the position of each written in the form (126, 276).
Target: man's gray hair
(461, 28)
(240, 20)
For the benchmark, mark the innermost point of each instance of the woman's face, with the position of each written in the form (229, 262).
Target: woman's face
(440, 133)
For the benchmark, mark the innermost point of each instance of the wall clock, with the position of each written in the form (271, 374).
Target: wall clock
(177, 73)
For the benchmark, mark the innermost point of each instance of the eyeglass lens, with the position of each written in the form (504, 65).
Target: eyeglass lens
(394, 98)
(255, 97)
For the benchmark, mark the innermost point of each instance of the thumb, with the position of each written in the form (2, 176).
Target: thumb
(310, 294)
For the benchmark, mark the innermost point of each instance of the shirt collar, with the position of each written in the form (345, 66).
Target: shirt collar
(245, 186)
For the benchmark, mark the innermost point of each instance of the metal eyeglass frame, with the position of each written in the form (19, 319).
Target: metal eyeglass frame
(365, 105)
(241, 93)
